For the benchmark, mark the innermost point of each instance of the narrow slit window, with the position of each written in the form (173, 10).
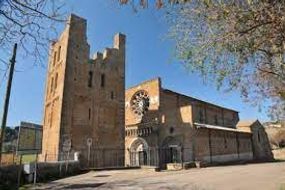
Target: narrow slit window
(51, 85)
(59, 52)
(51, 114)
(54, 58)
(89, 114)
(102, 80)
(90, 78)
(225, 141)
(112, 95)
(55, 81)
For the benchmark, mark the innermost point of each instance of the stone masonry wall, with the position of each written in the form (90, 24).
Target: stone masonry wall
(90, 102)
(222, 146)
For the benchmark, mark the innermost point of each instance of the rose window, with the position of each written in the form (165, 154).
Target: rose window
(140, 103)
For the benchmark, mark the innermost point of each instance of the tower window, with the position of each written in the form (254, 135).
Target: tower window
(54, 58)
(112, 95)
(89, 113)
(59, 51)
(90, 78)
(50, 121)
(102, 80)
(51, 85)
(55, 80)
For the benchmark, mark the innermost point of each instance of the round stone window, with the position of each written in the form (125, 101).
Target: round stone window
(140, 103)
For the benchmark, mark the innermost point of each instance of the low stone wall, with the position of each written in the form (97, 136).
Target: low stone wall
(246, 156)
(53, 170)
(46, 171)
(8, 177)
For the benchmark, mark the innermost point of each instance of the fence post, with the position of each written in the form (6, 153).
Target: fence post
(19, 173)
(36, 165)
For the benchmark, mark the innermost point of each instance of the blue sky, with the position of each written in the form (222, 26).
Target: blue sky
(149, 55)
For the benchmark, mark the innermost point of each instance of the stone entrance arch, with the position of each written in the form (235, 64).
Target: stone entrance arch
(171, 142)
(138, 152)
(171, 151)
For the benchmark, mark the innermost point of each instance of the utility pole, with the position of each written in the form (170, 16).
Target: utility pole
(7, 98)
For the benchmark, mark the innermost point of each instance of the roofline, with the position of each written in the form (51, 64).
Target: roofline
(170, 91)
(144, 82)
(247, 123)
(214, 127)
(180, 94)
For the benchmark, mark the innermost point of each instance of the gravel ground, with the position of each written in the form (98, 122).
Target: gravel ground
(267, 176)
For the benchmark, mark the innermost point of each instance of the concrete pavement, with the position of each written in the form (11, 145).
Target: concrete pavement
(265, 176)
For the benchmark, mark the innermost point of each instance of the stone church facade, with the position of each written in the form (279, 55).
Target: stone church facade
(84, 99)
(88, 111)
(164, 127)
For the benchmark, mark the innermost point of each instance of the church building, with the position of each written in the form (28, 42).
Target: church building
(164, 127)
(88, 112)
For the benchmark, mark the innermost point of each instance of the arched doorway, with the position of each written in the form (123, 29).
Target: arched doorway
(138, 152)
(171, 151)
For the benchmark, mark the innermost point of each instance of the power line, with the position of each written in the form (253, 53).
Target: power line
(3, 78)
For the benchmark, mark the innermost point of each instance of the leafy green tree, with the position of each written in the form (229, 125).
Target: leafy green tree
(239, 44)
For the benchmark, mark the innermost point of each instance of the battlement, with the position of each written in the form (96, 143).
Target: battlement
(119, 41)
(118, 48)
(74, 48)
(97, 56)
(83, 92)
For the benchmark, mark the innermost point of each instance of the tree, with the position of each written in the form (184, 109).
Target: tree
(30, 23)
(279, 138)
(239, 44)
(10, 139)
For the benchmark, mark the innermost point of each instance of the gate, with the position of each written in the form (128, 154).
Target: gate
(171, 154)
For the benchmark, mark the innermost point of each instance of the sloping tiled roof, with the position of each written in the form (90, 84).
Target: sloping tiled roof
(196, 99)
(200, 125)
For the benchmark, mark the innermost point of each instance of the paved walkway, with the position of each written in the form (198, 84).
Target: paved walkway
(266, 176)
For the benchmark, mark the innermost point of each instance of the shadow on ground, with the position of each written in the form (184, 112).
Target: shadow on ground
(80, 186)
(101, 175)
